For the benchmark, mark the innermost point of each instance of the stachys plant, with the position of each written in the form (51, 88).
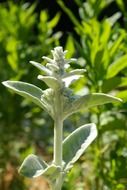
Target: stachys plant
(60, 102)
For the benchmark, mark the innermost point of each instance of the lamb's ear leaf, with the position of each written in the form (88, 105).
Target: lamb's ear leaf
(52, 82)
(26, 90)
(86, 102)
(41, 67)
(33, 167)
(77, 142)
(29, 91)
(52, 172)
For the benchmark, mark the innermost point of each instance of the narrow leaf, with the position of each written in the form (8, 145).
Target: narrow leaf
(70, 46)
(77, 142)
(116, 44)
(113, 19)
(70, 14)
(72, 105)
(51, 24)
(70, 79)
(111, 84)
(117, 66)
(75, 72)
(41, 67)
(52, 67)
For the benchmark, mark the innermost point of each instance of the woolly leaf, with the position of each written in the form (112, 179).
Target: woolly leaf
(31, 92)
(75, 104)
(33, 166)
(52, 82)
(26, 90)
(41, 67)
(77, 142)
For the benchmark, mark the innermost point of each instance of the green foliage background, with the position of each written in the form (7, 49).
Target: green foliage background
(100, 44)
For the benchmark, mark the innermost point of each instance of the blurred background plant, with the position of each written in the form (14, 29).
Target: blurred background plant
(102, 48)
(97, 36)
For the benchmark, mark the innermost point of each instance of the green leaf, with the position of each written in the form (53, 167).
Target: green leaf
(70, 46)
(117, 66)
(51, 24)
(106, 32)
(73, 105)
(113, 123)
(121, 4)
(123, 82)
(116, 44)
(77, 142)
(70, 14)
(33, 166)
(43, 16)
(122, 94)
(111, 84)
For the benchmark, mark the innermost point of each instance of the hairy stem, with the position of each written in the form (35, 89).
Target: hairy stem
(58, 137)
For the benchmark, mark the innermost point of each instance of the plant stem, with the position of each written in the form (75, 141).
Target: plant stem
(58, 136)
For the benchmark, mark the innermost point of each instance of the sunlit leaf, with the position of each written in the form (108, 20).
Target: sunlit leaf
(70, 47)
(117, 66)
(52, 23)
(113, 19)
(116, 44)
(123, 82)
(122, 94)
(43, 16)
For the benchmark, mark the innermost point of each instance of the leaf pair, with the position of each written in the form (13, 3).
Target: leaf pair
(44, 99)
